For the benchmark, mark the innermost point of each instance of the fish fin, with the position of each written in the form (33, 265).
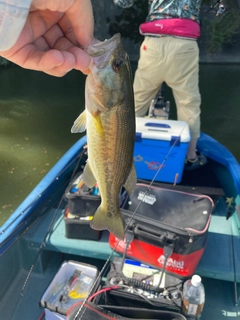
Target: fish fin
(80, 123)
(88, 176)
(131, 181)
(103, 220)
(98, 123)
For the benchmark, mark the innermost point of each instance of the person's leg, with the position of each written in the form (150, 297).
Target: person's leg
(192, 147)
(148, 76)
(182, 77)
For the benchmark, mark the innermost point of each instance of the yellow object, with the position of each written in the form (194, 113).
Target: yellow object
(75, 295)
(89, 218)
(229, 202)
(80, 184)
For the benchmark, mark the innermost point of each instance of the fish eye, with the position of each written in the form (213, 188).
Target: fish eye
(117, 64)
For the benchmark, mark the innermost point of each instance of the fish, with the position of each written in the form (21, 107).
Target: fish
(109, 119)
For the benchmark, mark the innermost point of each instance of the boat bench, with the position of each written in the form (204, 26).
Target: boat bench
(216, 262)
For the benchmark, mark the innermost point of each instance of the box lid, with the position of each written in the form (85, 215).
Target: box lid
(149, 128)
(171, 209)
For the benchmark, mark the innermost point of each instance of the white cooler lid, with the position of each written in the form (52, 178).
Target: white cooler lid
(157, 129)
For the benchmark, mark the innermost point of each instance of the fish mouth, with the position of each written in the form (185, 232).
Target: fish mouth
(101, 47)
(101, 51)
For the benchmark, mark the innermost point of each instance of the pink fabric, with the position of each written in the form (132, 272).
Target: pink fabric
(175, 27)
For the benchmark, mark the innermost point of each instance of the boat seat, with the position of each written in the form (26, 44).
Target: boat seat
(56, 240)
(217, 260)
(218, 248)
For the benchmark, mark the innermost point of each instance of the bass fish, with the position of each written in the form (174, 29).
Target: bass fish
(109, 118)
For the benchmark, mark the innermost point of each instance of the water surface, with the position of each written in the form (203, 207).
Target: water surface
(37, 112)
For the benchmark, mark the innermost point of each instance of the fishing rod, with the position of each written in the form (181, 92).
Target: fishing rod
(234, 267)
(42, 245)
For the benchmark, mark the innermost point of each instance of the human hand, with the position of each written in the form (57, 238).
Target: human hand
(53, 36)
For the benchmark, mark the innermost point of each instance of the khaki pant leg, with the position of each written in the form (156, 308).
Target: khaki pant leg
(183, 78)
(148, 77)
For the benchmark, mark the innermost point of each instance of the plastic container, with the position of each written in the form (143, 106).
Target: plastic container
(193, 298)
(72, 284)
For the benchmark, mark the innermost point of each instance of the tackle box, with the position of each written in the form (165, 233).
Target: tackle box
(161, 290)
(82, 203)
(166, 229)
(73, 283)
(160, 149)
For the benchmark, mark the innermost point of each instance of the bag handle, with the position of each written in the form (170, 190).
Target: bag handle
(164, 238)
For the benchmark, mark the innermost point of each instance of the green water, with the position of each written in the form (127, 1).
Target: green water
(37, 112)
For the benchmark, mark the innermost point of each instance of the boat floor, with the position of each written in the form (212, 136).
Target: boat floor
(42, 252)
(220, 297)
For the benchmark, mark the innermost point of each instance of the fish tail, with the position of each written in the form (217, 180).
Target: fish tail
(103, 220)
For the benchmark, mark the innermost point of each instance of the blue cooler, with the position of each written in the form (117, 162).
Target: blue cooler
(160, 149)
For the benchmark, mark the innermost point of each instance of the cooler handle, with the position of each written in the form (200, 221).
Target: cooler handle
(157, 125)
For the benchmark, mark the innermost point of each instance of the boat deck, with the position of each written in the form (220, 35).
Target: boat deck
(56, 240)
(217, 260)
(220, 298)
